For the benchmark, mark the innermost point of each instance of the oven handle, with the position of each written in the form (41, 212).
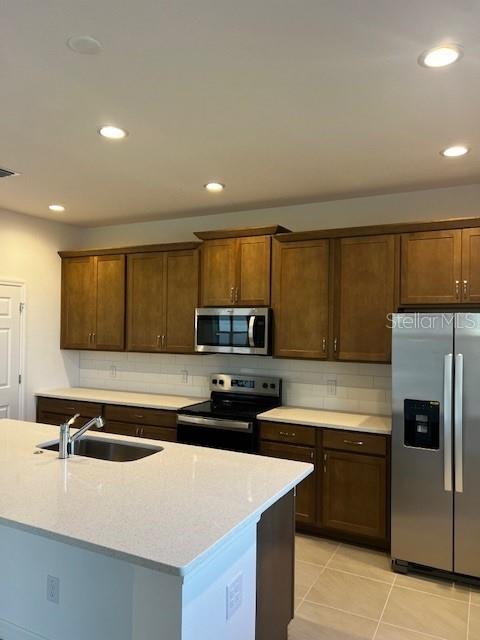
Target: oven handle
(251, 326)
(215, 423)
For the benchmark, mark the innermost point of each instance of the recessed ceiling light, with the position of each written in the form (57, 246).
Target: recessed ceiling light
(58, 208)
(214, 187)
(84, 44)
(455, 152)
(112, 132)
(441, 56)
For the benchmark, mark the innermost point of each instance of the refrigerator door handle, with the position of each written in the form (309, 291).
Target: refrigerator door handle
(459, 423)
(447, 421)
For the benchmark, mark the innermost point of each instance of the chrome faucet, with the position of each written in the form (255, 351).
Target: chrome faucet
(66, 445)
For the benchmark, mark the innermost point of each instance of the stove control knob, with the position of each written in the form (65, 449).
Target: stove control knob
(272, 385)
(265, 385)
(221, 382)
(214, 381)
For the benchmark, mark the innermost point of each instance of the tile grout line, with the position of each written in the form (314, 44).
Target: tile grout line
(384, 607)
(317, 578)
(422, 633)
(349, 613)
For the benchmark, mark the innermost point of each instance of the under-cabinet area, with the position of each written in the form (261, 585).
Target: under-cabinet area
(332, 292)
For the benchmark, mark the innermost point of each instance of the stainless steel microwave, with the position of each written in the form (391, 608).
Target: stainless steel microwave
(233, 330)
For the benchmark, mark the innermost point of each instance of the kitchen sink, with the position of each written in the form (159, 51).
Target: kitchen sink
(108, 450)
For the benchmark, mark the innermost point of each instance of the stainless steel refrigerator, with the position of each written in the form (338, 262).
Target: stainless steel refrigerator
(436, 442)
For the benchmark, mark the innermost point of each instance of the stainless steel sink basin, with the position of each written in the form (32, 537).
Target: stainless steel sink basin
(108, 450)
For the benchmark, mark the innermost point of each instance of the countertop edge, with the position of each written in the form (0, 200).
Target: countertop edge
(327, 425)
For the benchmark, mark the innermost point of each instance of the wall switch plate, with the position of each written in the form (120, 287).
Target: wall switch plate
(53, 589)
(331, 387)
(113, 371)
(234, 595)
(184, 373)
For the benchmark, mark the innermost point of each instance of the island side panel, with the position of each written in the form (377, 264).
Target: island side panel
(276, 569)
(204, 602)
(100, 596)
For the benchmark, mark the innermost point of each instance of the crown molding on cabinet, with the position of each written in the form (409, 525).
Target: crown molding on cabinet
(145, 248)
(271, 230)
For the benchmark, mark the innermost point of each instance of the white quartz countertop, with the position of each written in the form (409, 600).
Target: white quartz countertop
(169, 511)
(330, 419)
(128, 398)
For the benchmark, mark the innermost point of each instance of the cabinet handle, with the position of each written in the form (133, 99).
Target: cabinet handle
(288, 434)
(137, 415)
(94, 338)
(465, 287)
(89, 338)
(312, 455)
(324, 345)
(136, 431)
(232, 294)
(236, 294)
(457, 288)
(163, 342)
(358, 443)
(324, 463)
(335, 344)
(158, 341)
(141, 432)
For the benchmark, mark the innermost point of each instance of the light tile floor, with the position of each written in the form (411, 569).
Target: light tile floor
(345, 592)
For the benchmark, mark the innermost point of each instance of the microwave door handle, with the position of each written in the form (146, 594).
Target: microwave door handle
(251, 326)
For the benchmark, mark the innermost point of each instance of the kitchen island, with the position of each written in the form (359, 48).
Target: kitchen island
(179, 545)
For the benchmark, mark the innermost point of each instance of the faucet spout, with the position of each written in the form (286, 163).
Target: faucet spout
(67, 442)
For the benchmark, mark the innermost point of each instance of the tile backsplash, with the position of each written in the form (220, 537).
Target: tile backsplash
(338, 386)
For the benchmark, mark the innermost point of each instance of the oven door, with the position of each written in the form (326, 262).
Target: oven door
(231, 435)
(236, 330)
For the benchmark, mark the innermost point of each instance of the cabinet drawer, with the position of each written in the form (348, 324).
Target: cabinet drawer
(354, 441)
(141, 416)
(140, 431)
(44, 417)
(69, 407)
(291, 433)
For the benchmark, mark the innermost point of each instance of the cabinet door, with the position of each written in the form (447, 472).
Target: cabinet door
(110, 307)
(145, 302)
(181, 299)
(354, 494)
(471, 265)
(78, 303)
(253, 271)
(306, 499)
(218, 272)
(300, 290)
(431, 267)
(364, 296)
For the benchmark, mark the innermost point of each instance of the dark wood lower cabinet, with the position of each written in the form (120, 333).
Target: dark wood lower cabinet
(347, 496)
(276, 570)
(354, 494)
(155, 424)
(306, 498)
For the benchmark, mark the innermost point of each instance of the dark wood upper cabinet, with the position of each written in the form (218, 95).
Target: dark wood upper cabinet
(236, 271)
(354, 498)
(93, 302)
(162, 291)
(431, 267)
(181, 300)
(110, 307)
(471, 265)
(300, 298)
(365, 288)
(145, 302)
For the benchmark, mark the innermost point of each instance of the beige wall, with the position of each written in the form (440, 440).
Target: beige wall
(432, 204)
(28, 253)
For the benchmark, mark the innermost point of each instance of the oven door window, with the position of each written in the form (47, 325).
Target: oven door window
(223, 331)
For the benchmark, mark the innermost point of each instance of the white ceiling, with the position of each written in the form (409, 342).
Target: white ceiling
(283, 100)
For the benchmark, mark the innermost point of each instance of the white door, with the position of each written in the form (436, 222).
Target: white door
(10, 299)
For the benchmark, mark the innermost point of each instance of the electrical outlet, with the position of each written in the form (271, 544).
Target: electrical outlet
(53, 589)
(331, 387)
(113, 371)
(184, 373)
(234, 595)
